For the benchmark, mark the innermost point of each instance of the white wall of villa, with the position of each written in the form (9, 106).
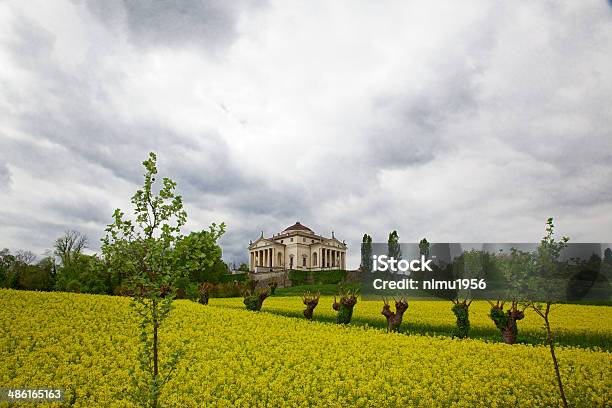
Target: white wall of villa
(297, 247)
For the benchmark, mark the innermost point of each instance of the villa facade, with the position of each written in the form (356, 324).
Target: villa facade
(297, 247)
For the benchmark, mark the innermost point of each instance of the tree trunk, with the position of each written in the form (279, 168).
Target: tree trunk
(549, 340)
(155, 356)
(394, 320)
(310, 307)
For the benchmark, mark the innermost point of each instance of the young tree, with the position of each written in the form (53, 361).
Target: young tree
(142, 247)
(543, 278)
(366, 253)
(393, 246)
(546, 288)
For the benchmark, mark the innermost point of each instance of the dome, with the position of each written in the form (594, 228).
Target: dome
(297, 227)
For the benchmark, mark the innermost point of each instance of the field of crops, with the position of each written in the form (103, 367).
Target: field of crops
(575, 325)
(87, 343)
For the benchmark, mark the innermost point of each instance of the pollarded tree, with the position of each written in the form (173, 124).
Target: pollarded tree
(310, 300)
(469, 267)
(394, 319)
(344, 307)
(141, 248)
(514, 268)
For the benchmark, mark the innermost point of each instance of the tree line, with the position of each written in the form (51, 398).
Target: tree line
(67, 268)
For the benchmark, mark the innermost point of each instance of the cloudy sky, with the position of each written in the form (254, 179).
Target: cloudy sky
(458, 121)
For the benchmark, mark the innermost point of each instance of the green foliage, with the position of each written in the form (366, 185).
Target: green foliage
(199, 256)
(499, 317)
(424, 248)
(9, 277)
(333, 276)
(344, 307)
(461, 311)
(227, 289)
(366, 253)
(37, 277)
(298, 277)
(143, 249)
(84, 273)
(237, 277)
(253, 299)
(608, 256)
(393, 246)
(19, 271)
(243, 267)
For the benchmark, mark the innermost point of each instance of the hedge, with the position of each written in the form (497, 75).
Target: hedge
(240, 277)
(332, 276)
(298, 277)
(318, 277)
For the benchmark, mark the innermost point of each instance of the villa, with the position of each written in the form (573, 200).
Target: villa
(297, 247)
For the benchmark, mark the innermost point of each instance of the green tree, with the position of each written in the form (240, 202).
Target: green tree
(393, 246)
(198, 254)
(8, 275)
(142, 247)
(366, 253)
(243, 267)
(546, 287)
(542, 277)
(37, 277)
(608, 256)
(424, 248)
(69, 246)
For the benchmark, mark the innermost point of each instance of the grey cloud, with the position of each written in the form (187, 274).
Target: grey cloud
(209, 24)
(5, 177)
(549, 113)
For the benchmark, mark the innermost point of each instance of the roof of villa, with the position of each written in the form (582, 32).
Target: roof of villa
(298, 227)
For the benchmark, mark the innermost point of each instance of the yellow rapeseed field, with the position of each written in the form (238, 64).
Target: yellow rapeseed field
(87, 343)
(573, 324)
